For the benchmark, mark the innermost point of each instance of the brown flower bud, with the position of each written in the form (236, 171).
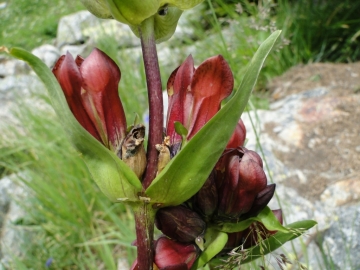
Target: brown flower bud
(206, 199)
(180, 223)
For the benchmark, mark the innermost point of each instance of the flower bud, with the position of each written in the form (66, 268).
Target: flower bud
(174, 255)
(261, 200)
(90, 86)
(243, 178)
(180, 223)
(206, 200)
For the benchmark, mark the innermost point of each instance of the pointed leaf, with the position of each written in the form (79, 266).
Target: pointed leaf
(275, 241)
(188, 170)
(266, 217)
(214, 243)
(112, 175)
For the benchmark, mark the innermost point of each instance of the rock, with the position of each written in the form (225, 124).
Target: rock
(76, 50)
(341, 193)
(341, 242)
(9, 67)
(12, 237)
(70, 28)
(84, 30)
(47, 53)
(311, 147)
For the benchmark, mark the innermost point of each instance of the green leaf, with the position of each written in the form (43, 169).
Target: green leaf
(275, 241)
(188, 170)
(214, 242)
(115, 179)
(266, 217)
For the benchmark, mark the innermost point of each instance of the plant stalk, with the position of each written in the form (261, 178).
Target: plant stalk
(153, 80)
(144, 224)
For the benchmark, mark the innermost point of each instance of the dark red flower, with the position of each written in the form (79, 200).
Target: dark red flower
(91, 89)
(195, 95)
(240, 178)
(180, 223)
(172, 255)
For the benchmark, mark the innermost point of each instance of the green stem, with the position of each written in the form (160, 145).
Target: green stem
(144, 224)
(154, 86)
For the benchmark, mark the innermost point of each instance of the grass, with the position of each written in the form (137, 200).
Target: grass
(69, 220)
(29, 24)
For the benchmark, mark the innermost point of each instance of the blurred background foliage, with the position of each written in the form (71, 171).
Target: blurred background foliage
(69, 220)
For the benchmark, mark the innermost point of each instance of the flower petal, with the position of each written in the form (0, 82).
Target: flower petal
(101, 98)
(212, 82)
(238, 137)
(68, 75)
(169, 253)
(179, 98)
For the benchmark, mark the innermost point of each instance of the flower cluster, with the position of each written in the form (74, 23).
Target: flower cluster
(237, 187)
(235, 190)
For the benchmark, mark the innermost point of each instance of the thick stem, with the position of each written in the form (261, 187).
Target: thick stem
(144, 224)
(153, 81)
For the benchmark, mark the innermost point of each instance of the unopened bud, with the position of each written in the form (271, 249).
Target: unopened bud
(206, 199)
(261, 200)
(180, 223)
(174, 255)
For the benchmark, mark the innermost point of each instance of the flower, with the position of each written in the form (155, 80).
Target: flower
(170, 254)
(240, 178)
(195, 95)
(91, 90)
(180, 223)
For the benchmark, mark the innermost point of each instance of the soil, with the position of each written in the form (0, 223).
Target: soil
(330, 146)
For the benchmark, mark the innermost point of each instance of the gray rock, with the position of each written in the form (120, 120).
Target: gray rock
(70, 28)
(341, 242)
(75, 50)
(83, 28)
(47, 53)
(9, 66)
(12, 237)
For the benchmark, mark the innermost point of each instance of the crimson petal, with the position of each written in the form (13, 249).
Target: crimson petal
(101, 98)
(68, 75)
(212, 82)
(180, 98)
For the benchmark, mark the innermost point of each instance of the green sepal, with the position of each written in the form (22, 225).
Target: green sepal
(132, 12)
(214, 242)
(115, 179)
(275, 241)
(186, 173)
(266, 217)
(98, 8)
(164, 25)
(181, 130)
(181, 4)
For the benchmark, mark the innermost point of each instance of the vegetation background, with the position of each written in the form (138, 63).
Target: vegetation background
(71, 224)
